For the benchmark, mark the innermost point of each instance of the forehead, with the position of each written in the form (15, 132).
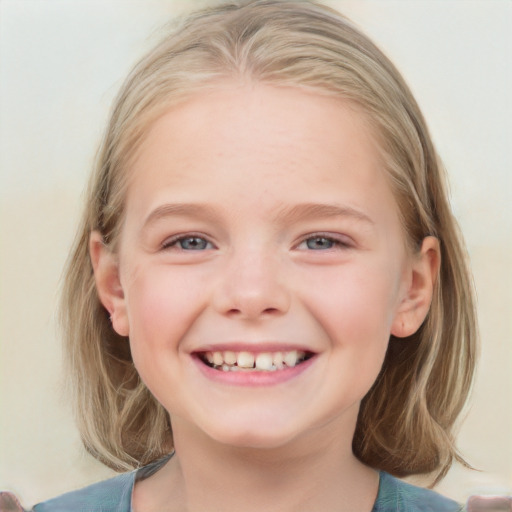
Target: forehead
(258, 141)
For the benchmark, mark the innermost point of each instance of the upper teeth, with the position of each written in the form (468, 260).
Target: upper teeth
(269, 361)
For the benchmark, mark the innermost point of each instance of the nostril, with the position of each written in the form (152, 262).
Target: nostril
(254, 312)
(237, 299)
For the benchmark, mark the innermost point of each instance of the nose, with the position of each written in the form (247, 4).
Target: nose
(252, 286)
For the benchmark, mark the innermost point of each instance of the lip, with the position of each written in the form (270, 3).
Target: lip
(254, 348)
(252, 378)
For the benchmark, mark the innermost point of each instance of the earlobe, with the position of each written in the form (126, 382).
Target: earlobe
(415, 305)
(108, 284)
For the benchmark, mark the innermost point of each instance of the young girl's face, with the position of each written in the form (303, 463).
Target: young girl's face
(260, 225)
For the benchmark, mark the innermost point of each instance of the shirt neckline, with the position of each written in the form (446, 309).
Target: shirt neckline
(149, 470)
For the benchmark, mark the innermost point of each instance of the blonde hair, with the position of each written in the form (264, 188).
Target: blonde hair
(406, 421)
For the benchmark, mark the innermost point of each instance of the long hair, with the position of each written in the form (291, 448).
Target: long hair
(406, 421)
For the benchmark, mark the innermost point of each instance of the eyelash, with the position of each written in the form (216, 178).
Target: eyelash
(172, 242)
(337, 242)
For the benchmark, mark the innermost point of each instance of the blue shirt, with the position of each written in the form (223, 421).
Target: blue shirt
(115, 495)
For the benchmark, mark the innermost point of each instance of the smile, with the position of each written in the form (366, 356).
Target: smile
(230, 361)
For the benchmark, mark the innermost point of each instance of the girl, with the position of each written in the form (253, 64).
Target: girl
(267, 306)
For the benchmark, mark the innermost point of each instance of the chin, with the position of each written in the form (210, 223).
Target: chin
(253, 441)
(264, 437)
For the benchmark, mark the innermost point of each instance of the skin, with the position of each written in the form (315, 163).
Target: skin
(268, 270)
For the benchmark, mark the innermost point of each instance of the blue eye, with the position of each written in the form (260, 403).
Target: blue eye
(193, 243)
(325, 242)
(320, 243)
(188, 243)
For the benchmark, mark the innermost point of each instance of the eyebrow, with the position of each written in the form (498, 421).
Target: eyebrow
(308, 210)
(287, 213)
(177, 209)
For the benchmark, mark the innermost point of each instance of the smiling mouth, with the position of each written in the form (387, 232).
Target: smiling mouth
(229, 361)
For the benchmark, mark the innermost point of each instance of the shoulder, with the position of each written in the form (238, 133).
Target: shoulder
(113, 495)
(397, 496)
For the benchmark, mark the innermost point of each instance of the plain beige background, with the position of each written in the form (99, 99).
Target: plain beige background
(61, 63)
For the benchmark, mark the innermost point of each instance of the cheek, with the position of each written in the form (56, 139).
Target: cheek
(161, 305)
(359, 327)
(354, 307)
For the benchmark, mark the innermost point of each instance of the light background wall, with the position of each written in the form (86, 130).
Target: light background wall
(62, 61)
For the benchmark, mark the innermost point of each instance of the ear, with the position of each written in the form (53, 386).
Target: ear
(422, 277)
(105, 265)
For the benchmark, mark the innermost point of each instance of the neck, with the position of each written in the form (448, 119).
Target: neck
(314, 472)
